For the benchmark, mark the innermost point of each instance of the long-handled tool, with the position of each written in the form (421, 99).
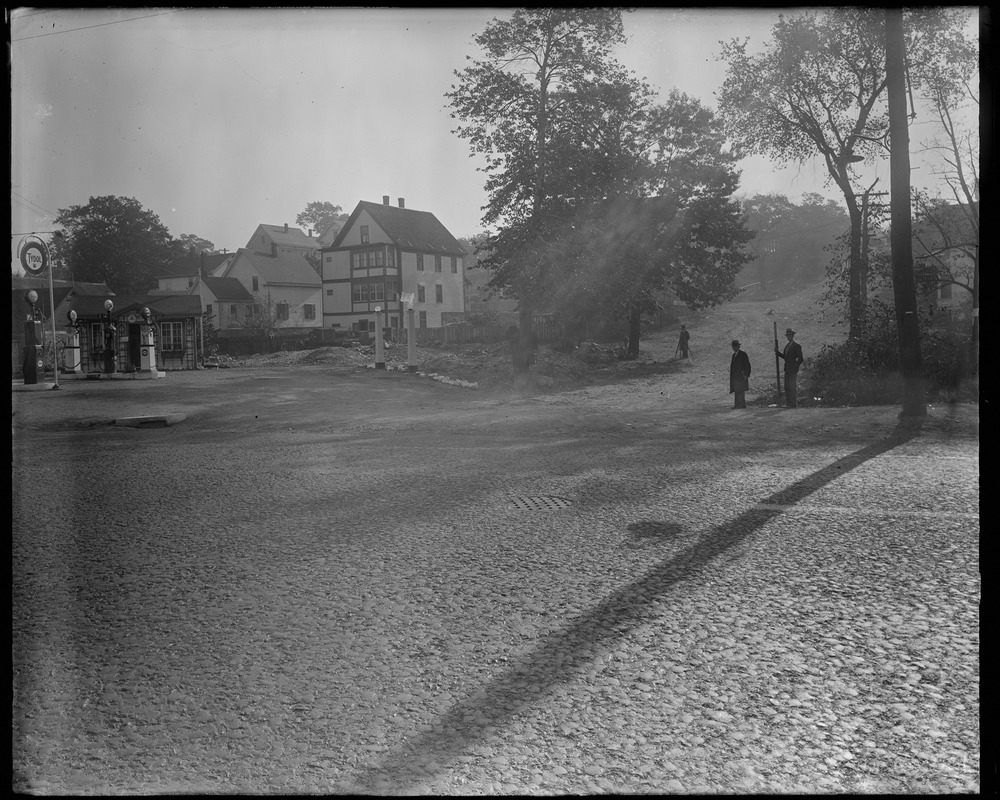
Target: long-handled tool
(777, 365)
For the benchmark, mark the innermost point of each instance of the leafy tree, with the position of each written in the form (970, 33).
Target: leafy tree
(112, 240)
(320, 215)
(509, 103)
(790, 246)
(189, 243)
(819, 88)
(663, 216)
(947, 230)
(771, 218)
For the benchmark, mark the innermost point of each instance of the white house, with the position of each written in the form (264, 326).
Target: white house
(284, 282)
(384, 253)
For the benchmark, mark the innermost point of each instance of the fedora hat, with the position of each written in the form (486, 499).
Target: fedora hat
(789, 331)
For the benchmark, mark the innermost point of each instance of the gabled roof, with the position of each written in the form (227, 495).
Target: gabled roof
(228, 290)
(330, 232)
(293, 237)
(192, 263)
(284, 268)
(406, 227)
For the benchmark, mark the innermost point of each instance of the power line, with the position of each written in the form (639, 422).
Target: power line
(99, 25)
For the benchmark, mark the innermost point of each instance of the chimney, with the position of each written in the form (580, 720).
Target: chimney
(385, 199)
(402, 203)
(286, 227)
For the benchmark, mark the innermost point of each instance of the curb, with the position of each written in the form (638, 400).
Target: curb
(150, 421)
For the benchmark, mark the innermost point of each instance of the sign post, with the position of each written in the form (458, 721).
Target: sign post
(34, 256)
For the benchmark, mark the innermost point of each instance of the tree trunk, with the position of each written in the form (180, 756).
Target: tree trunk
(901, 235)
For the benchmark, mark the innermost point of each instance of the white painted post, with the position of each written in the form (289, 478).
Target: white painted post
(411, 342)
(379, 355)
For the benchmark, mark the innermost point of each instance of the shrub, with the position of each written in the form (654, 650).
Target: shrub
(866, 371)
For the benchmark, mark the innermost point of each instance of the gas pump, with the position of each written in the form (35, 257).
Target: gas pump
(110, 352)
(147, 338)
(33, 362)
(71, 355)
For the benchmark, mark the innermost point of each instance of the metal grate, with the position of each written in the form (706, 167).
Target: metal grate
(544, 503)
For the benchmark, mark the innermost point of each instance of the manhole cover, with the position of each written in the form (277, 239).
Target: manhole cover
(543, 503)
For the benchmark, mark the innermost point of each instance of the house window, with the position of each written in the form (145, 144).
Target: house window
(329, 292)
(232, 310)
(171, 336)
(364, 234)
(392, 289)
(360, 292)
(423, 319)
(329, 259)
(376, 291)
(190, 282)
(282, 311)
(390, 256)
(454, 264)
(256, 284)
(208, 309)
(309, 311)
(437, 263)
(439, 293)
(420, 262)
(420, 294)
(362, 259)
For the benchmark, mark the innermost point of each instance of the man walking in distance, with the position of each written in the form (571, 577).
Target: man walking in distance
(682, 345)
(793, 358)
(739, 376)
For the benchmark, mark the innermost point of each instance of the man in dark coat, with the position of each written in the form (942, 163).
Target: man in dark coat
(739, 376)
(682, 345)
(793, 359)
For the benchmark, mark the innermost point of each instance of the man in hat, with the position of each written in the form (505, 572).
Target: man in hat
(682, 344)
(739, 375)
(793, 358)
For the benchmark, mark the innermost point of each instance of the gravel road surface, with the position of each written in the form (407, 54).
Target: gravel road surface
(336, 580)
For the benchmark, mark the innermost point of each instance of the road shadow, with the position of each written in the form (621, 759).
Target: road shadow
(563, 654)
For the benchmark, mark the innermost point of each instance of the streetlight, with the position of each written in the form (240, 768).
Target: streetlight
(72, 359)
(109, 340)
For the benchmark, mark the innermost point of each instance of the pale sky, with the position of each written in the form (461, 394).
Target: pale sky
(218, 120)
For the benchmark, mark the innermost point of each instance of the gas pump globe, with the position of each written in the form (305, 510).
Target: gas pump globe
(33, 363)
(71, 355)
(110, 354)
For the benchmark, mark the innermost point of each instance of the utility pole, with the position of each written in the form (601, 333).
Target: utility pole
(901, 235)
